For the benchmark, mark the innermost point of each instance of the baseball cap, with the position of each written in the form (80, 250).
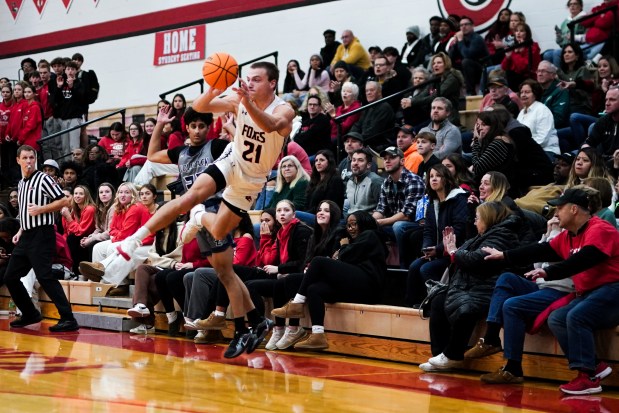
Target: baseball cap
(52, 163)
(497, 81)
(354, 135)
(572, 196)
(407, 129)
(568, 157)
(393, 151)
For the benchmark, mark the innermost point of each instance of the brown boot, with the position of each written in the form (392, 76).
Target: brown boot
(93, 271)
(120, 291)
(290, 310)
(481, 349)
(213, 322)
(315, 341)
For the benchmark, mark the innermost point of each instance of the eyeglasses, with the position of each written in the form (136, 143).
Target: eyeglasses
(379, 64)
(289, 167)
(313, 104)
(351, 225)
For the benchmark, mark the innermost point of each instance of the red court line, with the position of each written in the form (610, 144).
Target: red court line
(442, 385)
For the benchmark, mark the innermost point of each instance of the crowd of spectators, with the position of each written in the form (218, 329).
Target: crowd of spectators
(441, 199)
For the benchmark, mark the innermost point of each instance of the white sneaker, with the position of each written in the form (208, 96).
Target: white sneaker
(200, 335)
(192, 215)
(142, 329)
(138, 311)
(291, 337)
(441, 362)
(276, 335)
(128, 247)
(191, 325)
(429, 368)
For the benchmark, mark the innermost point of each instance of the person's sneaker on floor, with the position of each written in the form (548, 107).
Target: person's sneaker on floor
(209, 337)
(92, 271)
(430, 368)
(64, 325)
(238, 345)
(143, 329)
(213, 322)
(175, 326)
(482, 349)
(26, 321)
(602, 370)
(315, 341)
(276, 335)
(259, 333)
(291, 337)
(139, 310)
(501, 376)
(290, 310)
(582, 384)
(443, 362)
(191, 325)
(127, 247)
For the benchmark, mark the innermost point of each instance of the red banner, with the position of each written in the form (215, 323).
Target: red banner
(14, 7)
(67, 4)
(40, 5)
(180, 45)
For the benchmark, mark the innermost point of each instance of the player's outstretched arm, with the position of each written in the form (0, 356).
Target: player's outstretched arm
(209, 101)
(280, 121)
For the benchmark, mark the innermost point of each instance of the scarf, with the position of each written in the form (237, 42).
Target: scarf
(283, 236)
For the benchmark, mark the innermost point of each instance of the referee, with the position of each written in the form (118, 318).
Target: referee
(39, 197)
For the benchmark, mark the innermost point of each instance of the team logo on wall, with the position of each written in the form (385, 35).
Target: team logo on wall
(483, 12)
(14, 7)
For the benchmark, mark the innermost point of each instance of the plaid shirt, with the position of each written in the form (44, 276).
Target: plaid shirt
(400, 196)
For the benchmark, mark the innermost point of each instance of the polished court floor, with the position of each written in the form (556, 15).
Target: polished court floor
(100, 371)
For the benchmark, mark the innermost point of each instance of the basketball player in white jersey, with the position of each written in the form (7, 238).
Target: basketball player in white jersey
(263, 122)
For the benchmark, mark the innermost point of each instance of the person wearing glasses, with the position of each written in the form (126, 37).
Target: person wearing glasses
(315, 132)
(470, 48)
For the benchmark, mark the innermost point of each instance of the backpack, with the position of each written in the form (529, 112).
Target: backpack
(92, 86)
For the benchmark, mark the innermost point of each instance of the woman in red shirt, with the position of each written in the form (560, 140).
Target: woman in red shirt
(78, 222)
(32, 120)
(8, 150)
(521, 64)
(107, 266)
(134, 156)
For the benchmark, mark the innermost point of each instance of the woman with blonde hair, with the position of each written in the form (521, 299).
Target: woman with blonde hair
(291, 184)
(108, 266)
(78, 222)
(450, 86)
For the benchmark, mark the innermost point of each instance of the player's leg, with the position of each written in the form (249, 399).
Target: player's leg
(203, 187)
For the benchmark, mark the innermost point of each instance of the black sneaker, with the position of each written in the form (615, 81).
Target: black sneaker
(65, 325)
(25, 321)
(238, 345)
(259, 333)
(175, 326)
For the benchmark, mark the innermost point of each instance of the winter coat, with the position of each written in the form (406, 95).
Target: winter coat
(369, 253)
(451, 212)
(472, 283)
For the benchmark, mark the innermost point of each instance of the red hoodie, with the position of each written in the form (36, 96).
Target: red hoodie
(5, 115)
(132, 148)
(15, 120)
(32, 125)
(128, 222)
(599, 27)
(83, 226)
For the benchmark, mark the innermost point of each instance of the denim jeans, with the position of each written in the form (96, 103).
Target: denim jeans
(553, 56)
(396, 231)
(515, 303)
(574, 325)
(579, 122)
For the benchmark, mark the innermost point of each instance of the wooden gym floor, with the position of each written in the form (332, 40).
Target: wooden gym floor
(101, 371)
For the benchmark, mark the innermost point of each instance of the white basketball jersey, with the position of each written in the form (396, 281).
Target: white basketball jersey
(256, 151)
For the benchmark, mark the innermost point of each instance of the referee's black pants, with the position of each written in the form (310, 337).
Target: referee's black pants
(35, 250)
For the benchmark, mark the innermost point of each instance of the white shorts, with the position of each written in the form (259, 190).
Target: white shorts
(241, 189)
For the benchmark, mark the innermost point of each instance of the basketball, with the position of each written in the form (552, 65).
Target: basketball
(220, 70)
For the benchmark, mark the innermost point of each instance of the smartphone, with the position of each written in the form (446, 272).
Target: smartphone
(427, 249)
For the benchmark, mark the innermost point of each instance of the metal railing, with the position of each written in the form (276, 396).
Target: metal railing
(44, 141)
(339, 119)
(613, 32)
(201, 81)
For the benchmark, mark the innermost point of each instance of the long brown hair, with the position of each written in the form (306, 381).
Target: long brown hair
(75, 207)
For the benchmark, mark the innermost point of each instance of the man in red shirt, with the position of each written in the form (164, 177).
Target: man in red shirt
(577, 294)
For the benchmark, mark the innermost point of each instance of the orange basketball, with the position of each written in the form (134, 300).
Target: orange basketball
(220, 70)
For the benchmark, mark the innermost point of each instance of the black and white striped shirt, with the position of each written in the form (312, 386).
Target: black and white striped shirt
(39, 189)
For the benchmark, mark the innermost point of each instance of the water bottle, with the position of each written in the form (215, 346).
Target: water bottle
(12, 310)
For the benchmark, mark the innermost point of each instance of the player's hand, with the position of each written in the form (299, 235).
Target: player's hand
(164, 114)
(242, 90)
(34, 210)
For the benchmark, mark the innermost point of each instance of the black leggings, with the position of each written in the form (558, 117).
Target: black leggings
(78, 253)
(280, 289)
(329, 281)
(170, 286)
(450, 339)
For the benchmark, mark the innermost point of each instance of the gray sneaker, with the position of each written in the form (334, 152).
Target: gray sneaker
(291, 337)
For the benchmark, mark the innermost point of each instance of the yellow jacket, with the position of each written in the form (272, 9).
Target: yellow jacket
(354, 54)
